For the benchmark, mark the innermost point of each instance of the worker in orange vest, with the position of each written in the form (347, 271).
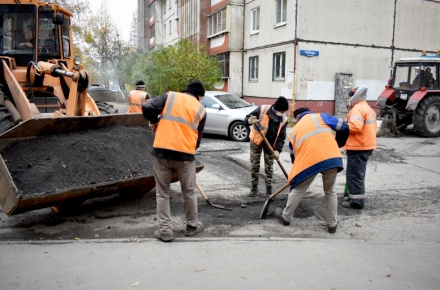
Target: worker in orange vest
(178, 120)
(361, 119)
(314, 150)
(270, 121)
(137, 97)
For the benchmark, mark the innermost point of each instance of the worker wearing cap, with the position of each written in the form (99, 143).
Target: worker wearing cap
(361, 119)
(314, 150)
(271, 121)
(137, 97)
(178, 120)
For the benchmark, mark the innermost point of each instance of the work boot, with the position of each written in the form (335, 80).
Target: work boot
(332, 230)
(191, 231)
(348, 204)
(279, 215)
(254, 191)
(164, 238)
(268, 191)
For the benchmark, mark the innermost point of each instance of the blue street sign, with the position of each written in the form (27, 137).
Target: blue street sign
(309, 52)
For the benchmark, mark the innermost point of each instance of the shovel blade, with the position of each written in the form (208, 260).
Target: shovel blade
(217, 205)
(265, 208)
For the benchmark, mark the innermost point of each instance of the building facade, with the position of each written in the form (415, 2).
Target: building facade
(310, 51)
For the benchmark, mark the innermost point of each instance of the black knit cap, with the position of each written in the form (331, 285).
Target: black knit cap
(140, 84)
(196, 88)
(281, 104)
(299, 111)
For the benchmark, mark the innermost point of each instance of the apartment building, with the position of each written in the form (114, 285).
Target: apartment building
(310, 51)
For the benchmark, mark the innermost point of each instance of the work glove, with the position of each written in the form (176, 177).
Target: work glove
(276, 154)
(252, 120)
(153, 127)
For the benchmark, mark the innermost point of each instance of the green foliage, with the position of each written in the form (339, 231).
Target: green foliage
(171, 68)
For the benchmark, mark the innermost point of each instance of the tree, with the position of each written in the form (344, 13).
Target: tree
(130, 70)
(171, 68)
(81, 15)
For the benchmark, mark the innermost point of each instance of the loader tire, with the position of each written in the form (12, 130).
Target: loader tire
(106, 108)
(426, 117)
(6, 121)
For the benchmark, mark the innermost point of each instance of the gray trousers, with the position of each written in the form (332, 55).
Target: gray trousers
(186, 172)
(331, 201)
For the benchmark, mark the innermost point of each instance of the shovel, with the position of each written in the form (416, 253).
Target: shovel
(271, 150)
(266, 205)
(205, 197)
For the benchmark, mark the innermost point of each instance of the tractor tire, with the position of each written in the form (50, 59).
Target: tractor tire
(106, 108)
(426, 118)
(6, 121)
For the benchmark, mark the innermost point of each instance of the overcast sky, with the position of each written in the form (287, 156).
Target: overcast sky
(121, 13)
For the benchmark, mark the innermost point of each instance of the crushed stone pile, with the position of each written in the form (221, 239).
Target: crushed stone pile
(56, 162)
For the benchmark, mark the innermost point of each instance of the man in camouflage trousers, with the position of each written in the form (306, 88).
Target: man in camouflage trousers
(271, 121)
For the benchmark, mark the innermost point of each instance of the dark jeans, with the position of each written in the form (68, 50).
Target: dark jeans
(356, 168)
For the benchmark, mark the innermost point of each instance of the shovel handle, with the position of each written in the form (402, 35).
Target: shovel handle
(279, 191)
(271, 149)
(205, 197)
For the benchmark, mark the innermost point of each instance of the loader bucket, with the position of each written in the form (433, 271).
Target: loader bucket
(13, 200)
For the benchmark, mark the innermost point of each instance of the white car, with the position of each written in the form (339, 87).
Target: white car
(225, 115)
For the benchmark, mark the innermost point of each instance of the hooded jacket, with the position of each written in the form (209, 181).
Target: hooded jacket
(361, 119)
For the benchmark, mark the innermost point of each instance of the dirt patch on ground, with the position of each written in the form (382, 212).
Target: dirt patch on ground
(56, 162)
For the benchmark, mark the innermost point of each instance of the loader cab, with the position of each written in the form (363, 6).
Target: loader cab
(50, 38)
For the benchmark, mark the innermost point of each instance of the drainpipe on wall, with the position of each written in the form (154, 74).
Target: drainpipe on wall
(295, 45)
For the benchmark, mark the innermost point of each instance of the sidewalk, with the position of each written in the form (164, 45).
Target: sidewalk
(220, 264)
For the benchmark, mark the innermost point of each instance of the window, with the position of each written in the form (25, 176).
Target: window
(280, 16)
(66, 38)
(253, 68)
(279, 66)
(170, 3)
(224, 64)
(255, 20)
(169, 27)
(164, 29)
(217, 22)
(151, 8)
(177, 9)
(152, 31)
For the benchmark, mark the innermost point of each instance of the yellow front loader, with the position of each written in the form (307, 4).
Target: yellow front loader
(43, 91)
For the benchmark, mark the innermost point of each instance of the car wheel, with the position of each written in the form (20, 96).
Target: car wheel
(238, 131)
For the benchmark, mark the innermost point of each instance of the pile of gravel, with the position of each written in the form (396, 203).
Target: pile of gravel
(56, 162)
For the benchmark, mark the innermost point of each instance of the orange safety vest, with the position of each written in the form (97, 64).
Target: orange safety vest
(255, 136)
(362, 122)
(315, 149)
(177, 128)
(136, 99)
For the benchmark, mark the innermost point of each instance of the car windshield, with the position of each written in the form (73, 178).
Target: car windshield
(232, 101)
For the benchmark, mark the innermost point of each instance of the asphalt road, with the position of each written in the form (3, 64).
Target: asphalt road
(402, 187)
(108, 244)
